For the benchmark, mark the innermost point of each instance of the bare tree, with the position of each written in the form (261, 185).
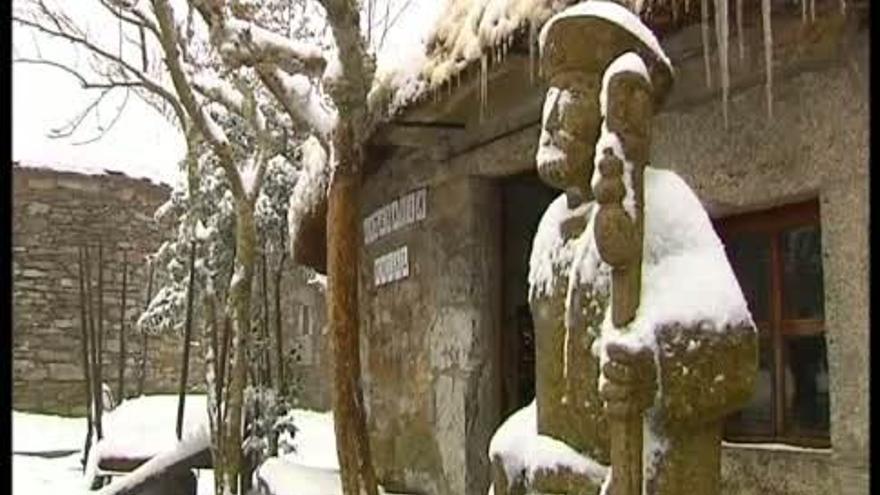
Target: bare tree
(250, 58)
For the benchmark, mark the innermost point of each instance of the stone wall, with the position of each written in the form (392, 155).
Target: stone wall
(304, 334)
(428, 339)
(815, 146)
(56, 212)
(53, 214)
(430, 428)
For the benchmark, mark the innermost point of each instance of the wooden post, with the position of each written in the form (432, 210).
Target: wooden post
(83, 324)
(120, 386)
(187, 334)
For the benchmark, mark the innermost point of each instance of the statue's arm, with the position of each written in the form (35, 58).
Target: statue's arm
(704, 375)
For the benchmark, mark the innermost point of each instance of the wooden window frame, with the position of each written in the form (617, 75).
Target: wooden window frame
(773, 223)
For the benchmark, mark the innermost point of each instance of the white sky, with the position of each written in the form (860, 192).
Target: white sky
(142, 143)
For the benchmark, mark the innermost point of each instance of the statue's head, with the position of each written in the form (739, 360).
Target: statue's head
(569, 129)
(576, 46)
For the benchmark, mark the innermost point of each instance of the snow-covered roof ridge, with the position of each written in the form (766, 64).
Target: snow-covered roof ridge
(134, 173)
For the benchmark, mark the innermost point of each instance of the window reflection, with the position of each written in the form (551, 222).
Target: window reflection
(803, 291)
(757, 415)
(806, 401)
(750, 257)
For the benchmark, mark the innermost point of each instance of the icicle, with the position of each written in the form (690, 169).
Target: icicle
(687, 6)
(532, 43)
(722, 30)
(812, 10)
(704, 8)
(739, 30)
(768, 54)
(484, 84)
(842, 7)
(675, 10)
(804, 11)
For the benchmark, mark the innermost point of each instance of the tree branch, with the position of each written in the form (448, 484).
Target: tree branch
(198, 113)
(84, 83)
(81, 40)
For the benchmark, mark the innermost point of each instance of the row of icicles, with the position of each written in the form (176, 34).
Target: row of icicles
(499, 52)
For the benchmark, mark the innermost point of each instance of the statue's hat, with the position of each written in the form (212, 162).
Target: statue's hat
(590, 35)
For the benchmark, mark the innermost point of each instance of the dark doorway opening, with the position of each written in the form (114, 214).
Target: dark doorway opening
(523, 201)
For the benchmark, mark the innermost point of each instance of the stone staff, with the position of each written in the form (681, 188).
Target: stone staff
(622, 153)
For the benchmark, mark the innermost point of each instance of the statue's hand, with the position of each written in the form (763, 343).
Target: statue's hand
(630, 380)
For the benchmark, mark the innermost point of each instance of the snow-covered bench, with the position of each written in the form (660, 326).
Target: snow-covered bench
(141, 430)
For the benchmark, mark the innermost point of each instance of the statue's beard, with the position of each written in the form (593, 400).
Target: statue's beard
(551, 161)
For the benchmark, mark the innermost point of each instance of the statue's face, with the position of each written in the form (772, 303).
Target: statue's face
(569, 130)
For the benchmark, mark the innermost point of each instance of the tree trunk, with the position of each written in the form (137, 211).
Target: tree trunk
(239, 307)
(352, 444)
(93, 346)
(120, 384)
(83, 323)
(187, 335)
(99, 368)
(279, 341)
(144, 340)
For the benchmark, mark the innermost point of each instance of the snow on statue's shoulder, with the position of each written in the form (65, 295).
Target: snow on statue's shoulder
(550, 250)
(686, 277)
(524, 451)
(612, 12)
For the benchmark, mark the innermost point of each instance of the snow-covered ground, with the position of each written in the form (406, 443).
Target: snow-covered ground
(47, 449)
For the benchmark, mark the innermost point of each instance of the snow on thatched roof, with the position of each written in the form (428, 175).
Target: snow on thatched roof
(467, 31)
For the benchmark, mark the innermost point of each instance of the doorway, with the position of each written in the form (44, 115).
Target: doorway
(524, 198)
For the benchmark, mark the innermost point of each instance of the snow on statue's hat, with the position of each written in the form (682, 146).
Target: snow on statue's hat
(590, 35)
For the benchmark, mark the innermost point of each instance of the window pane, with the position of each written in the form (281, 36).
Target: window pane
(750, 257)
(756, 418)
(802, 292)
(806, 384)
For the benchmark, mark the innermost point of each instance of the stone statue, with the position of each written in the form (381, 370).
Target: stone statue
(640, 326)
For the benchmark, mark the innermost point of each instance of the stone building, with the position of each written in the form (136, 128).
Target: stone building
(56, 212)
(450, 203)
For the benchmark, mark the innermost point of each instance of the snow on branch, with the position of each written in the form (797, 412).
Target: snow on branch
(214, 131)
(307, 102)
(245, 43)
